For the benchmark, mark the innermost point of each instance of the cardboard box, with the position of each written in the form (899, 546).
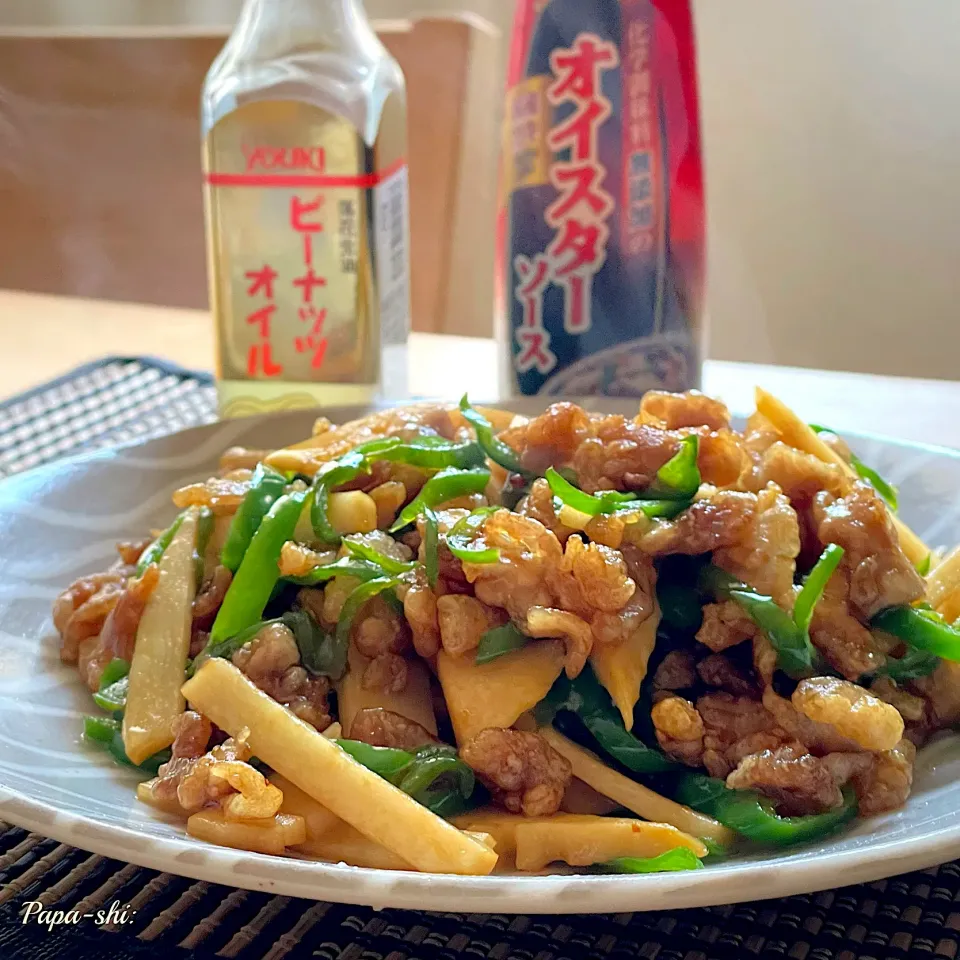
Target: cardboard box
(100, 164)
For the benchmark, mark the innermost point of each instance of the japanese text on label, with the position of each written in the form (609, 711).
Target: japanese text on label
(579, 214)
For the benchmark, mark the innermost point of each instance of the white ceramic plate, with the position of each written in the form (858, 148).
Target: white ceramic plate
(60, 521)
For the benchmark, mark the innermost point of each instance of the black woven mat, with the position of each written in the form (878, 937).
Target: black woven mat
(909, 917)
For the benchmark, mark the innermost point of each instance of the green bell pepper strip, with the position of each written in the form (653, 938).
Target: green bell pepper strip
(679, 478)
(680, 858)
(431, 546)
(886, 490)
(610, 501)
(715, 851)
(680, 606)
(498, 641)
(266, 487)
(372, 447)
(661, 509)
(115, 670)
(923, 567)
(814, 585)
(258, 573)
(386, 762)
(357, 598)
(788, 635)
(716, 584)
(155, 551)
(677, 482)
(585, 697)
(321, 653)
(433, 775)
(107, 732)
(795, 653)
(100, 729)
(342, 471)
(388, 565)
(584, 502)
(111, 694)
(752, 816)
(460, 539)
(227, 647)
(623, 746)
(922, 629)
(113, 697)
(344, 567)
(205, 525)
(446, 485)
(428, 452)
(498, 451)
(911, 666)
(420, 775)
(474, 518)
(151, 765)
(445, 802)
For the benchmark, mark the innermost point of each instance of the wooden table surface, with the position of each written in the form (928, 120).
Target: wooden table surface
(47, 336)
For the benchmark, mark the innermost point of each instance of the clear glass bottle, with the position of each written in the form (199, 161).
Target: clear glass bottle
(305, 185)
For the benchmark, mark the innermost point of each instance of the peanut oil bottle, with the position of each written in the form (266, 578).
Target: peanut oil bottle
(305, 185)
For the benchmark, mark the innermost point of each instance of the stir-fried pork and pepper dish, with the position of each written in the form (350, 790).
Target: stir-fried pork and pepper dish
(451, 639)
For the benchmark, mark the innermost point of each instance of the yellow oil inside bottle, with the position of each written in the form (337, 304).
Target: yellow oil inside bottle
(306, 207)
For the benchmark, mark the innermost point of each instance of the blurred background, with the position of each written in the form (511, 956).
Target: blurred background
(830, 137)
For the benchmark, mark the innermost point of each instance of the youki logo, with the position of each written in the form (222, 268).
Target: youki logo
(284, 158)
(34, 911)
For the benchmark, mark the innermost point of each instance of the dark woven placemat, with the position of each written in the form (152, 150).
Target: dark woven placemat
(909, 917)
(117, 400)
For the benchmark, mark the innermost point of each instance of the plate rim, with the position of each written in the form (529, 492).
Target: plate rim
(498, 893)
